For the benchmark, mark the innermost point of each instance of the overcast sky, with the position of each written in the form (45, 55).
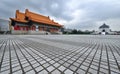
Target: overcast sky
(78, 14)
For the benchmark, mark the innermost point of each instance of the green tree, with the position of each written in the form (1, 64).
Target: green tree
(74, 31)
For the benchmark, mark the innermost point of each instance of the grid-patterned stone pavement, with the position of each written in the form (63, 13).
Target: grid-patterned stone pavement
(59, 54)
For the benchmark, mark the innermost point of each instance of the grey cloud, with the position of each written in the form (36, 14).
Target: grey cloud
(101, 10)
(94, 10)
(85, 25)
(44, 7)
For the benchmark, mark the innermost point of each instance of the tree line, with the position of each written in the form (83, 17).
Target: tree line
(75, 31)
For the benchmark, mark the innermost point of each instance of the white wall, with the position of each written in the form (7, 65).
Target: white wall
(106, 30)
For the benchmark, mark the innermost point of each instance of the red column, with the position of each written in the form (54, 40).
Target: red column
(16, 27)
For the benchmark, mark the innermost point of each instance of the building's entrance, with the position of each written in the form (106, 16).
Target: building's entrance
(103, 30)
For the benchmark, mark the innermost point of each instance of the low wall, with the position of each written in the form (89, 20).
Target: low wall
(19, 32)
(34, 32)
(57, 33)
(38, 32)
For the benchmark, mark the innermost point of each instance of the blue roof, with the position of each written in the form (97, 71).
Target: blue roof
(104, 26)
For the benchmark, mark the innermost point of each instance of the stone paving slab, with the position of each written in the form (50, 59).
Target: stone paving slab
(59, 54)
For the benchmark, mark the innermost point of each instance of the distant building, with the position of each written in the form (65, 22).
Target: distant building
(104, 29)
(4, 25)
(68, 30)
(32, 23)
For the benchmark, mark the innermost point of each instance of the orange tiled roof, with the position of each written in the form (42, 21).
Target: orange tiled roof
(40, 18)
(20, 17)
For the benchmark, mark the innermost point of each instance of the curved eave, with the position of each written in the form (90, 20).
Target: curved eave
(21, 21)
(46, 22)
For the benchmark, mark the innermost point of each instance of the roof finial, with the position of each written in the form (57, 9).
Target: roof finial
(52, 20)
(17, 11)
(26, 10)
(104, 24)
(48, 17)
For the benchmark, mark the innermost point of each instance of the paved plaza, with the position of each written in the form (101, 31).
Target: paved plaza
(59, 54)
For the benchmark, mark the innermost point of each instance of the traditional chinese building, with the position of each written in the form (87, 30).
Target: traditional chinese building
(32, 23)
